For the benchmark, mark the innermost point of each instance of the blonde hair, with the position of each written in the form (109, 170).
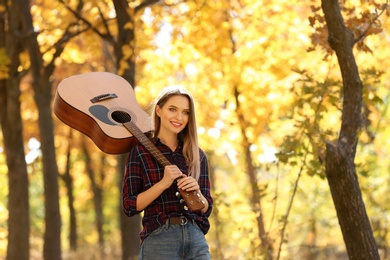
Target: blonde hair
(188, 135)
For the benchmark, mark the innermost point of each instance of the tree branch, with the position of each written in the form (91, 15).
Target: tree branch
(107, 36)
(364, 34)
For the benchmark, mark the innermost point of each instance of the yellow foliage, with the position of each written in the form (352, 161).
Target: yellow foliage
(217, 49)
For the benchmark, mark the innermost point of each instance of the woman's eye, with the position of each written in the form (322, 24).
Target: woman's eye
(172, 109)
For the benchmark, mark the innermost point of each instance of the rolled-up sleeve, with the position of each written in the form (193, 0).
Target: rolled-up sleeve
(132, 183)
(204, 182)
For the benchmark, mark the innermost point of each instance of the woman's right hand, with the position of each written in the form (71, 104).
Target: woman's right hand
(171, 173)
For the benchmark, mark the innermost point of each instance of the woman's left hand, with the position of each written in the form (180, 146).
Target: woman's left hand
(188, 184)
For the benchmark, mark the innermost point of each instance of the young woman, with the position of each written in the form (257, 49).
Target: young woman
(170, 229)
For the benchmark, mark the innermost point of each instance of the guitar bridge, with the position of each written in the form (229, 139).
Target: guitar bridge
(103, 97)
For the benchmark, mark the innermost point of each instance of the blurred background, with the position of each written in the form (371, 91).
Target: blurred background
(268, 92)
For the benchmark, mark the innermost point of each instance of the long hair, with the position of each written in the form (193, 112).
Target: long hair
(188, 136)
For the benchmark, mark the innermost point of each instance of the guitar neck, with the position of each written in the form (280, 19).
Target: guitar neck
(147, 143)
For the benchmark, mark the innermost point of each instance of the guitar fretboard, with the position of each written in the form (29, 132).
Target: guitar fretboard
(145, 141)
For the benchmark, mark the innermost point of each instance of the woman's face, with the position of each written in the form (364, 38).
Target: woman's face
(174, 114)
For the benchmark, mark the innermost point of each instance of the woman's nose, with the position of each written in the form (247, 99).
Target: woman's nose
(179, 115)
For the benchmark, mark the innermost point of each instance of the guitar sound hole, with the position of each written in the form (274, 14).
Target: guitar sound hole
(121, 116)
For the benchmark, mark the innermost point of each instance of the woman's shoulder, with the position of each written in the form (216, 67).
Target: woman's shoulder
(138, 148)
(202, 153)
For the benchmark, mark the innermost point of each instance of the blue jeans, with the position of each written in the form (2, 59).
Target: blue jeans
(175, 242)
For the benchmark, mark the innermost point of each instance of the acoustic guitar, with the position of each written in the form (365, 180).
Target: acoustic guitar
(103, 106)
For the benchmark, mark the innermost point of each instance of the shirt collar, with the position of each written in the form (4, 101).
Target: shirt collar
(158, 142)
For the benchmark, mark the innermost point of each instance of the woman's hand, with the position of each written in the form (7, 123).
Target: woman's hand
(188, 183)
(171, 173)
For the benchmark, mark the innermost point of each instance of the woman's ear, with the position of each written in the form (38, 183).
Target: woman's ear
(158, 110)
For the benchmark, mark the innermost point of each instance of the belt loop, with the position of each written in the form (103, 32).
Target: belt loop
(166, 224)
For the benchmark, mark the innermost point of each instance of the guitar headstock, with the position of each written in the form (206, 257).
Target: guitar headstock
(192, 199)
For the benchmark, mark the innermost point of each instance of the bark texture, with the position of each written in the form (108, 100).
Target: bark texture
(340, 155)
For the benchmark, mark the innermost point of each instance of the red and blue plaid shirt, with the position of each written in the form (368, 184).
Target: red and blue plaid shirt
(143, 171)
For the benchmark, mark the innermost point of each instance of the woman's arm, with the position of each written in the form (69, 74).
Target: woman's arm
(171, 173)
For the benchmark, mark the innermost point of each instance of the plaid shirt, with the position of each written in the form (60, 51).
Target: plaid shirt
(143, 171)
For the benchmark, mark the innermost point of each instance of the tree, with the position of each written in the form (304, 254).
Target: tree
(11, 47)
(68, 180)
(266, 243)
(340, 154)
(96, 176)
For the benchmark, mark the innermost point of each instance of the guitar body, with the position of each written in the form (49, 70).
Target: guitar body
(97, 104)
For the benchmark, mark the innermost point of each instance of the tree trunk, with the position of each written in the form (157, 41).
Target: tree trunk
(126, 37)
(126, 66)
(97, 196)
(130, 227)
(218, 226)
(340, 166)
(11, 125)
(266, 245)
(68, 180)
(18, 201)
(52, 238)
